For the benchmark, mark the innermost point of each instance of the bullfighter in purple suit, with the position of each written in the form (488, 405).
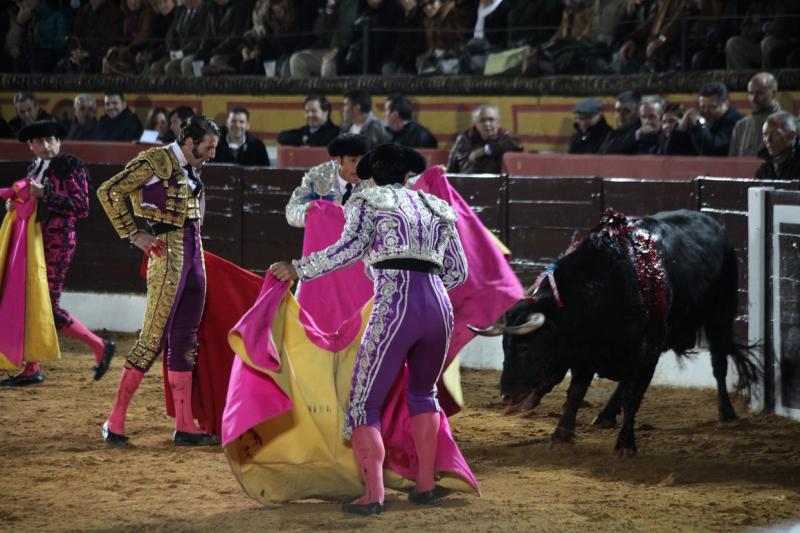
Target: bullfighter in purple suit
(61, 184)
(164, 187)
(408, 241)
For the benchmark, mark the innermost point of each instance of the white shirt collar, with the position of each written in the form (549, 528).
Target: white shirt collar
(179, 155)
(341, 183)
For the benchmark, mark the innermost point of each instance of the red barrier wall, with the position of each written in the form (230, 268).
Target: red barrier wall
(307, 157)
(628, 166)
(88, 151)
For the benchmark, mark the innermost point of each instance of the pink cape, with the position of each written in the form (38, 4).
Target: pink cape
(13, 273)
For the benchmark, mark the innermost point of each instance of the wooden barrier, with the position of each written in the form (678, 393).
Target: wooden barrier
(628, 166)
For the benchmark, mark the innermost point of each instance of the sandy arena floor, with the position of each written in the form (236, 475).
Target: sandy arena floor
(692, 473)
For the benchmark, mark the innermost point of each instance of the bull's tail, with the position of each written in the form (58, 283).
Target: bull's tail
(748, 366)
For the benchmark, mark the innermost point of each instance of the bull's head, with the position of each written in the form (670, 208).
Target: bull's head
(531, 363)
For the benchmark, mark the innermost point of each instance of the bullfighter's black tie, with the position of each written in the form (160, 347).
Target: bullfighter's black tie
(194, 179)
(348, 190)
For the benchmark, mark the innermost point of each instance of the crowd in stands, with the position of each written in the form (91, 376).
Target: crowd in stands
(644, 125)
(303, 38)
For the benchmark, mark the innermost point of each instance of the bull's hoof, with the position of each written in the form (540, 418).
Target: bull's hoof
(625, 450)
(727, 415)
(604, 423)
(562, 436)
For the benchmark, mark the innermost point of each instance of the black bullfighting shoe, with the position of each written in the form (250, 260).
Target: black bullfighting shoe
(427, 497)
(22, 381)
(113, 439)
(183, 438)
(363, 509)
(101, 368)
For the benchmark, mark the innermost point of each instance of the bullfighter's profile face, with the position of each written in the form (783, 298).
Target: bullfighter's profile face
(45, 147)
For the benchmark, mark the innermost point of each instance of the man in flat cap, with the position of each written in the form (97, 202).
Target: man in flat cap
(334, 180)
(61, 184)
(591, 128)
(410, 242)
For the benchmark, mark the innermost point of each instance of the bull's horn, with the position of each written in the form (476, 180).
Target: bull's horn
(495, 330)
(535, 321)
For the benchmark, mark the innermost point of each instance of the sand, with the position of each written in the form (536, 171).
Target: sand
(692, 473)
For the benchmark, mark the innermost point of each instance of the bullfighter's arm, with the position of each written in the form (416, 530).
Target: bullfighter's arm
(352, 245)
(70, 196)
(296, 208)
(113, 191)
(455, 269)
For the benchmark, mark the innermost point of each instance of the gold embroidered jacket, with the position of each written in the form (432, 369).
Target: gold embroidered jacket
(167, 198)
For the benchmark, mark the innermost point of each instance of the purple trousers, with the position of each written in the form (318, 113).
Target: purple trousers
(180, 336)
(411, 323)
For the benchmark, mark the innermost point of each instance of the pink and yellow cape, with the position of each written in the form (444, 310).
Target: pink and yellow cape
(28, 331)
(289, 385)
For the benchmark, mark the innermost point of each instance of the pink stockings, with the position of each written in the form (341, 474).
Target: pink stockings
(81, 333)
(425, 432)
(369, 453)
(128, 384)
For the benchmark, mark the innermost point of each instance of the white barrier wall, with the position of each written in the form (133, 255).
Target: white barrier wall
(124, 312)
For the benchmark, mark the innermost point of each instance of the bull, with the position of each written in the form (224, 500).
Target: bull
(618, 299)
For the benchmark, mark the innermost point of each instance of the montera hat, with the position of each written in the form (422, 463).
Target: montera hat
(352, 144)
(588, 106)
(42, 128)
(390, 161)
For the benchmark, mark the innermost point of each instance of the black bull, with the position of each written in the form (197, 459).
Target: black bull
(625, 294)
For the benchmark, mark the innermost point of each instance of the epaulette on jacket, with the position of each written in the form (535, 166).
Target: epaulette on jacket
(159, 160)
(439, 206)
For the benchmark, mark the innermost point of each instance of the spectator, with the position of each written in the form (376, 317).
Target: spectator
(781, 153)
(410, 41)
(5, 130)
(492, 22)
(648, 136)
(183, 39)
(332, 28)
(480, 149)
(137, 28)
(445, 29)
(590, 126)
(227, 22)
(710, 126)
(622, 140)
(357, 117)
(673, 113)
(380, 19)
(156, 127)
(318, 131)
(119, 123)
(84, 126)
(533, 21)
(768, 36)
(177, 117)
(238, 145)
(275, 36)
(156, 49)
(402, 128)
(28, 111)
(747, 139)
(46, 24)
(98, 26)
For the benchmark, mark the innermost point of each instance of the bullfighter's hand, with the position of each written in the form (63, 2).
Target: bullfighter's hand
(283, 270)
(149, 244)
(36, 188)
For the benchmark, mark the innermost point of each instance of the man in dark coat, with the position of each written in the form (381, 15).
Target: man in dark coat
(28, 112)
(623, 139)
(119, 123)
(402, 128)
(591, 128)
(84, 126)
(480, 149)
(238, 145)
(709, 127)
(781, 153)
(318, 131)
